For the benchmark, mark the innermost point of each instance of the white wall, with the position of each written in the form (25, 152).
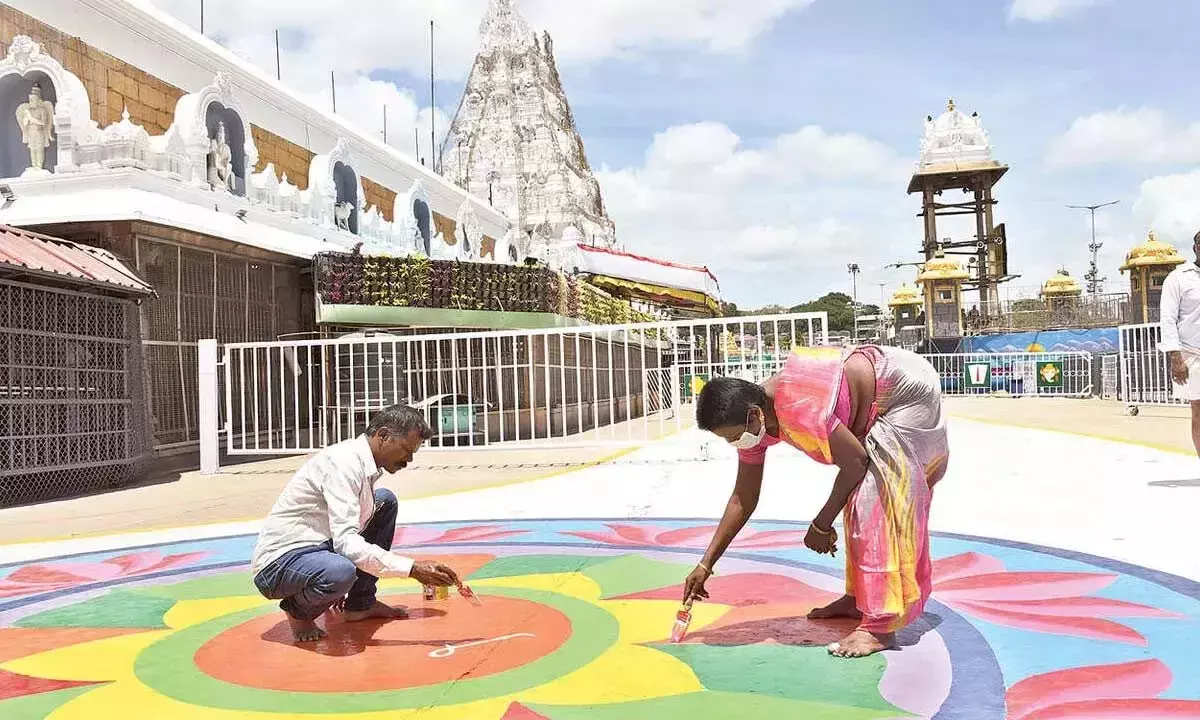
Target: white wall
(151, 40)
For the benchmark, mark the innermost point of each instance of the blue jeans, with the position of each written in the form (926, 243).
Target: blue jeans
(309, 580)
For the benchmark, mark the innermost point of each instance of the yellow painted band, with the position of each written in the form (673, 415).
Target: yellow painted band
(1077, 433)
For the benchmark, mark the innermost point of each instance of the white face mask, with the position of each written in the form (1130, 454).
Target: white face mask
(748, 440)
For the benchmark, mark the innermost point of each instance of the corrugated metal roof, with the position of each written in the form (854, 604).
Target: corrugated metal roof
(41, 253)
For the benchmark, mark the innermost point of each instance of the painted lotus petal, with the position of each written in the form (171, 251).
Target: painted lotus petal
(1022, 586)
(134, 563)
(173, 561)
(1079, 607)
(596, 537)
(965, 564)
(413, 535)
(1141, 679)
(637, 535)
(1084, 627)
(1141, 709)
(478, 532)
(685, 536)
(771, 539)
(57, 574)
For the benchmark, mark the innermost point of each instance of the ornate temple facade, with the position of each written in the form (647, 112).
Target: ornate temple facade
(514, 140)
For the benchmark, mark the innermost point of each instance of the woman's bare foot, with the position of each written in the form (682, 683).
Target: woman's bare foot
(843, 607)
(305, 630)
(861, 643)
(378, 611)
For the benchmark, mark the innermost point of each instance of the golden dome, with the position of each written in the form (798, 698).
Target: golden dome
(905, 296)
(941, 267)
(1061, 285)
(1152, 252)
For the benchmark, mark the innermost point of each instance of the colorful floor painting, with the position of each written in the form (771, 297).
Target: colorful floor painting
(575, 624)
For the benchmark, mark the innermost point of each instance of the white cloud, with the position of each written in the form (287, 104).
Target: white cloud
(1132, 136)
(1170, 205)
(361, 100)
(358, 36)
(1044, 10)
(777, 223)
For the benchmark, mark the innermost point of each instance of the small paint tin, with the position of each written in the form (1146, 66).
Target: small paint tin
(441, 592)
(428, 592)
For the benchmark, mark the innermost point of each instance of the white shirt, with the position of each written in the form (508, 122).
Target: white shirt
(1179, 310)
(331, 497)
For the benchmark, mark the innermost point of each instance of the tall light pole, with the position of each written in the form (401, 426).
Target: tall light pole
(854, 270)
(1093, 273)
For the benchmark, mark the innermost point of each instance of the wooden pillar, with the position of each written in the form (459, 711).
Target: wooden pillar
(931, 238)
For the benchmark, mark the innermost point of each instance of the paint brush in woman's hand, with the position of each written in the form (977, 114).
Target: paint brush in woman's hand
(683, 619)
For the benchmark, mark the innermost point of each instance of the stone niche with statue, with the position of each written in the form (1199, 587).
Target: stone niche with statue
(39, 110)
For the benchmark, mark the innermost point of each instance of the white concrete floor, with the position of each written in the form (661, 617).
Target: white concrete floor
(1115, 500)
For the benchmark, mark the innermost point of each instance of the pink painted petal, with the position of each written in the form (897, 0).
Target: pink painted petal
(1082, 627)
(134, 563)
(1022, 586)
(963, 565)
(1079, 607)
(1146, 678)
(413, 536)
(685, 536)
(170, 562)
(1142, 709)
(597, 537)
(43, 574)
(637, 535)
(78, 572)
(770, 539)
(477, 532)
(1141, 679)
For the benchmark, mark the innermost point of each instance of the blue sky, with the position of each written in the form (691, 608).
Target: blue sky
(783, 154)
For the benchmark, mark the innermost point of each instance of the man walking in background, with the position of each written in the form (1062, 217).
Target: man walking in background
(1180, 318)
(328, 539)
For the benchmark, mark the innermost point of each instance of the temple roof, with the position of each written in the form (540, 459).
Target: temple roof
(906, 295)
(504, 26)
(955, 143)
(1152, 252)
(941, 267)
(1062, 284)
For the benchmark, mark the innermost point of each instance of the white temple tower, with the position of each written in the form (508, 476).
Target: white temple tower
(514, 141)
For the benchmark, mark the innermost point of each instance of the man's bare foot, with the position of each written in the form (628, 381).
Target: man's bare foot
(305, 630)
(843, 607)
(861, 643)
(378, 611)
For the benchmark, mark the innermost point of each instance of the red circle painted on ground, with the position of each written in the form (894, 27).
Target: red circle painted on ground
(440, 641)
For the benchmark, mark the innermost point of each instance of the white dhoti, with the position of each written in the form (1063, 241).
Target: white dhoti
(1190, 390)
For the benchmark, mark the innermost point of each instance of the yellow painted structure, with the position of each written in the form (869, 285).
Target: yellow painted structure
(1148, 265)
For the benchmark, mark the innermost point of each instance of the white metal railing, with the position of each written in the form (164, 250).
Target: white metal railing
(590, 385)
(1053, 374)
(1145, 373)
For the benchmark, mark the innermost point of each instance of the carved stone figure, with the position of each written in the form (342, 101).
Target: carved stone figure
(36, 120)
(341, 215)
(220, 161)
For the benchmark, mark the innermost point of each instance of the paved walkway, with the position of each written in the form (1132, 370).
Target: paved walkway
(246, 492)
